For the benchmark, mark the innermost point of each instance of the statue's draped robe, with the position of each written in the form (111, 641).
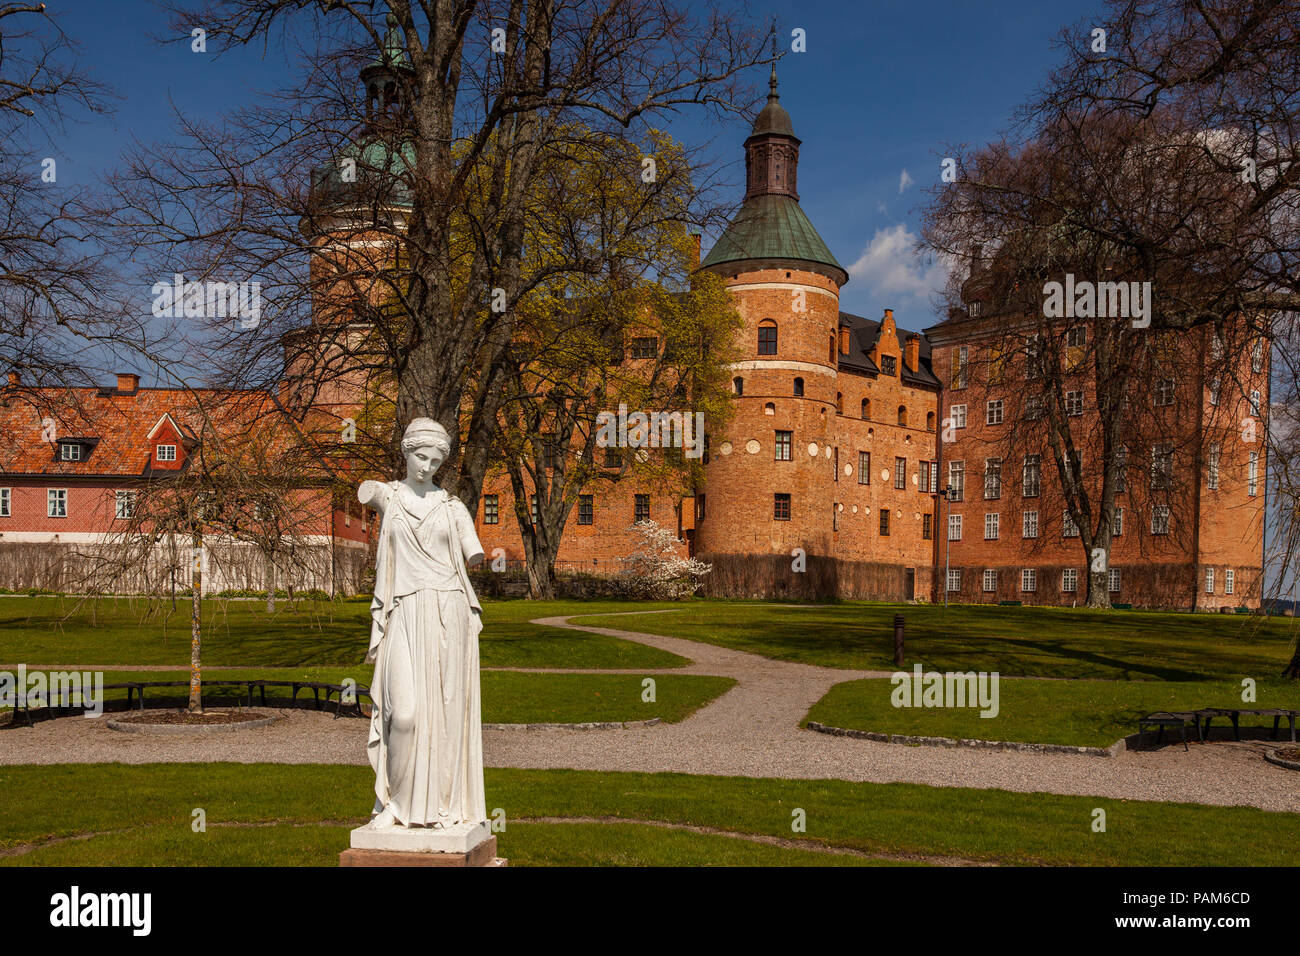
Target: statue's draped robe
(426, 736)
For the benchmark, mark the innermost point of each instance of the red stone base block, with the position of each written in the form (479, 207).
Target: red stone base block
(485, 854)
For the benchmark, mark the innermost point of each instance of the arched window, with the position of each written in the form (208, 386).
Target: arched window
(866, 409)
(929, 421)
(738, 384)
(902, 414)
(830, 352)
(767, 337)
(769, 408)
(798, 387)
(839, 402)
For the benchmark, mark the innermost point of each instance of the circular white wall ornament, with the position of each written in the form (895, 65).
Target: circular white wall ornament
(848, 469)
(812, 449)
(828, 451)
(724, 448)
(884, 474)
(752, 446)
(855, 509)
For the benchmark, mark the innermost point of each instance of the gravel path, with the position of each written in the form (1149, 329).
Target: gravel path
(752, 730)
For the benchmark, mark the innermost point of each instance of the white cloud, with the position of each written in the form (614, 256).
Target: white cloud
(890, 267)
(904, 181)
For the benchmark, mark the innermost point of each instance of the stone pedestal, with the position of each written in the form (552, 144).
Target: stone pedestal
(465, 844)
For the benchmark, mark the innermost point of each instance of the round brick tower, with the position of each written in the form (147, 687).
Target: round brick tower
(769, 481)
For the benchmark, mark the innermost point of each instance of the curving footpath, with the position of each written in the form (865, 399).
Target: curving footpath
(752, 730)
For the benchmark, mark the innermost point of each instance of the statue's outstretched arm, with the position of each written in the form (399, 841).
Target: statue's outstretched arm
(373, 494)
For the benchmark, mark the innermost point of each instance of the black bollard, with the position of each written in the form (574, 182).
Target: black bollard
(898, 640)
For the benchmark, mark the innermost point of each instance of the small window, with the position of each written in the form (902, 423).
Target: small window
(1033, 408)
(738, 385)
(991, 523)
(1029, 524)
(490, 513)
(781, 507)
(769, 408)
(884, 522)
(645, 348)
(699, 507)
(1209, 580)
(767, 337)
(1112, 580)
(798, 387)
(927, 527)
(1257, 357)
(954, 581)
(888, 365)
(839, 403)
(1074, 404)
(993, 413)
(1159, 519)
(954, 527)
(959, 366)
(166, 452)
(69, 451)
(641, 508)
(1216, 451)
(1164, 394)
(784, 444)
(929, 421)
(1254, 402)
(1229, 581)
(533, 511)
(864, 467)
(1252, 475)
(57, 502)
(124, 504)
(1216, 386)
(1068, 528)
(957, 479)
(586, 509)
(975, 309)
(990, 581)
(866, 409)
(900, 473)
(958, 415)
(992, 479)
(1070, 580)
(612, 458)
(1032, 476)
(6, 502)
(1117, 524)
(1029, 580)
(902, 415)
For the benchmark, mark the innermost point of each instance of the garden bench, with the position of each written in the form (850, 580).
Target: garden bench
(65, 700)
(316, 687)
(1235, 716)
(1163, 719)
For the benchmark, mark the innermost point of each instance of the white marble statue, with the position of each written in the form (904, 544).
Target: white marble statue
(426, 738)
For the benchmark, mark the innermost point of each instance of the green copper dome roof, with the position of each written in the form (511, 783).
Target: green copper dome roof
(772, 227)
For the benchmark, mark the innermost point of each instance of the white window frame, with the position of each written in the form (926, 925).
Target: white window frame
(1113, 581)
(1216, 388)
(1252, 475)
(992, 479)
(991, 524)
(69, 451)
(1034, 489)
(166, 452)
(53, 497)
(1257, 356)
(1117, 524)
(1070, 580)
(1255, 399)
(954, 524)
(1029, 524)
(6, 502)
(958, 415)
(1074, 403)
(1160, 519)
(1164, 392)
(1068, 528)
(1216, 452)
(957, 479)
(954, 580)
(993, 412)
(1028, 580)
(990, 581)
(118, 498)
(1209, 580)
(1229, 581)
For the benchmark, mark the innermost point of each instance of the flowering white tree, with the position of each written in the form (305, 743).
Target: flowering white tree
(655, 570)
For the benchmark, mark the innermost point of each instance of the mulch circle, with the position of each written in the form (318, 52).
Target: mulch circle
(207, 718)
(1288, 757)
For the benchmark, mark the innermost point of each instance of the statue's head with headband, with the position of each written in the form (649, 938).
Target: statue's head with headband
(426, 433)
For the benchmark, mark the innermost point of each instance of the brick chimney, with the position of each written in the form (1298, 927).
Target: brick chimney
(695, 253)
(128, 383)
(912, 351)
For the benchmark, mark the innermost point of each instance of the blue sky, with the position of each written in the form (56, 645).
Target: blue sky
(883, 86)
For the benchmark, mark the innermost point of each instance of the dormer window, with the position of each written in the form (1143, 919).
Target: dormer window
(69, 451)
(166, 452)
(975, 309)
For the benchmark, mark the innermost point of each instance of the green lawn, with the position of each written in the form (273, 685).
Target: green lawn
(124, 631)
(142, 815)
(1022, 641)
(1079, 713)
(508, 697)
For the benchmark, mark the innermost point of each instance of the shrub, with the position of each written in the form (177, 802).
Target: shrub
(656, 570)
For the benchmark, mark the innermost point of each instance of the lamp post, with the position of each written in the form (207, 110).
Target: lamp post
(948, 494)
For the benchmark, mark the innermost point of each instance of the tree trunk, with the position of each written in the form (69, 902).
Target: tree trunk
(270, 582)
(1098, 588)
(541, 576)
(1293, 669)
(196, 629)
